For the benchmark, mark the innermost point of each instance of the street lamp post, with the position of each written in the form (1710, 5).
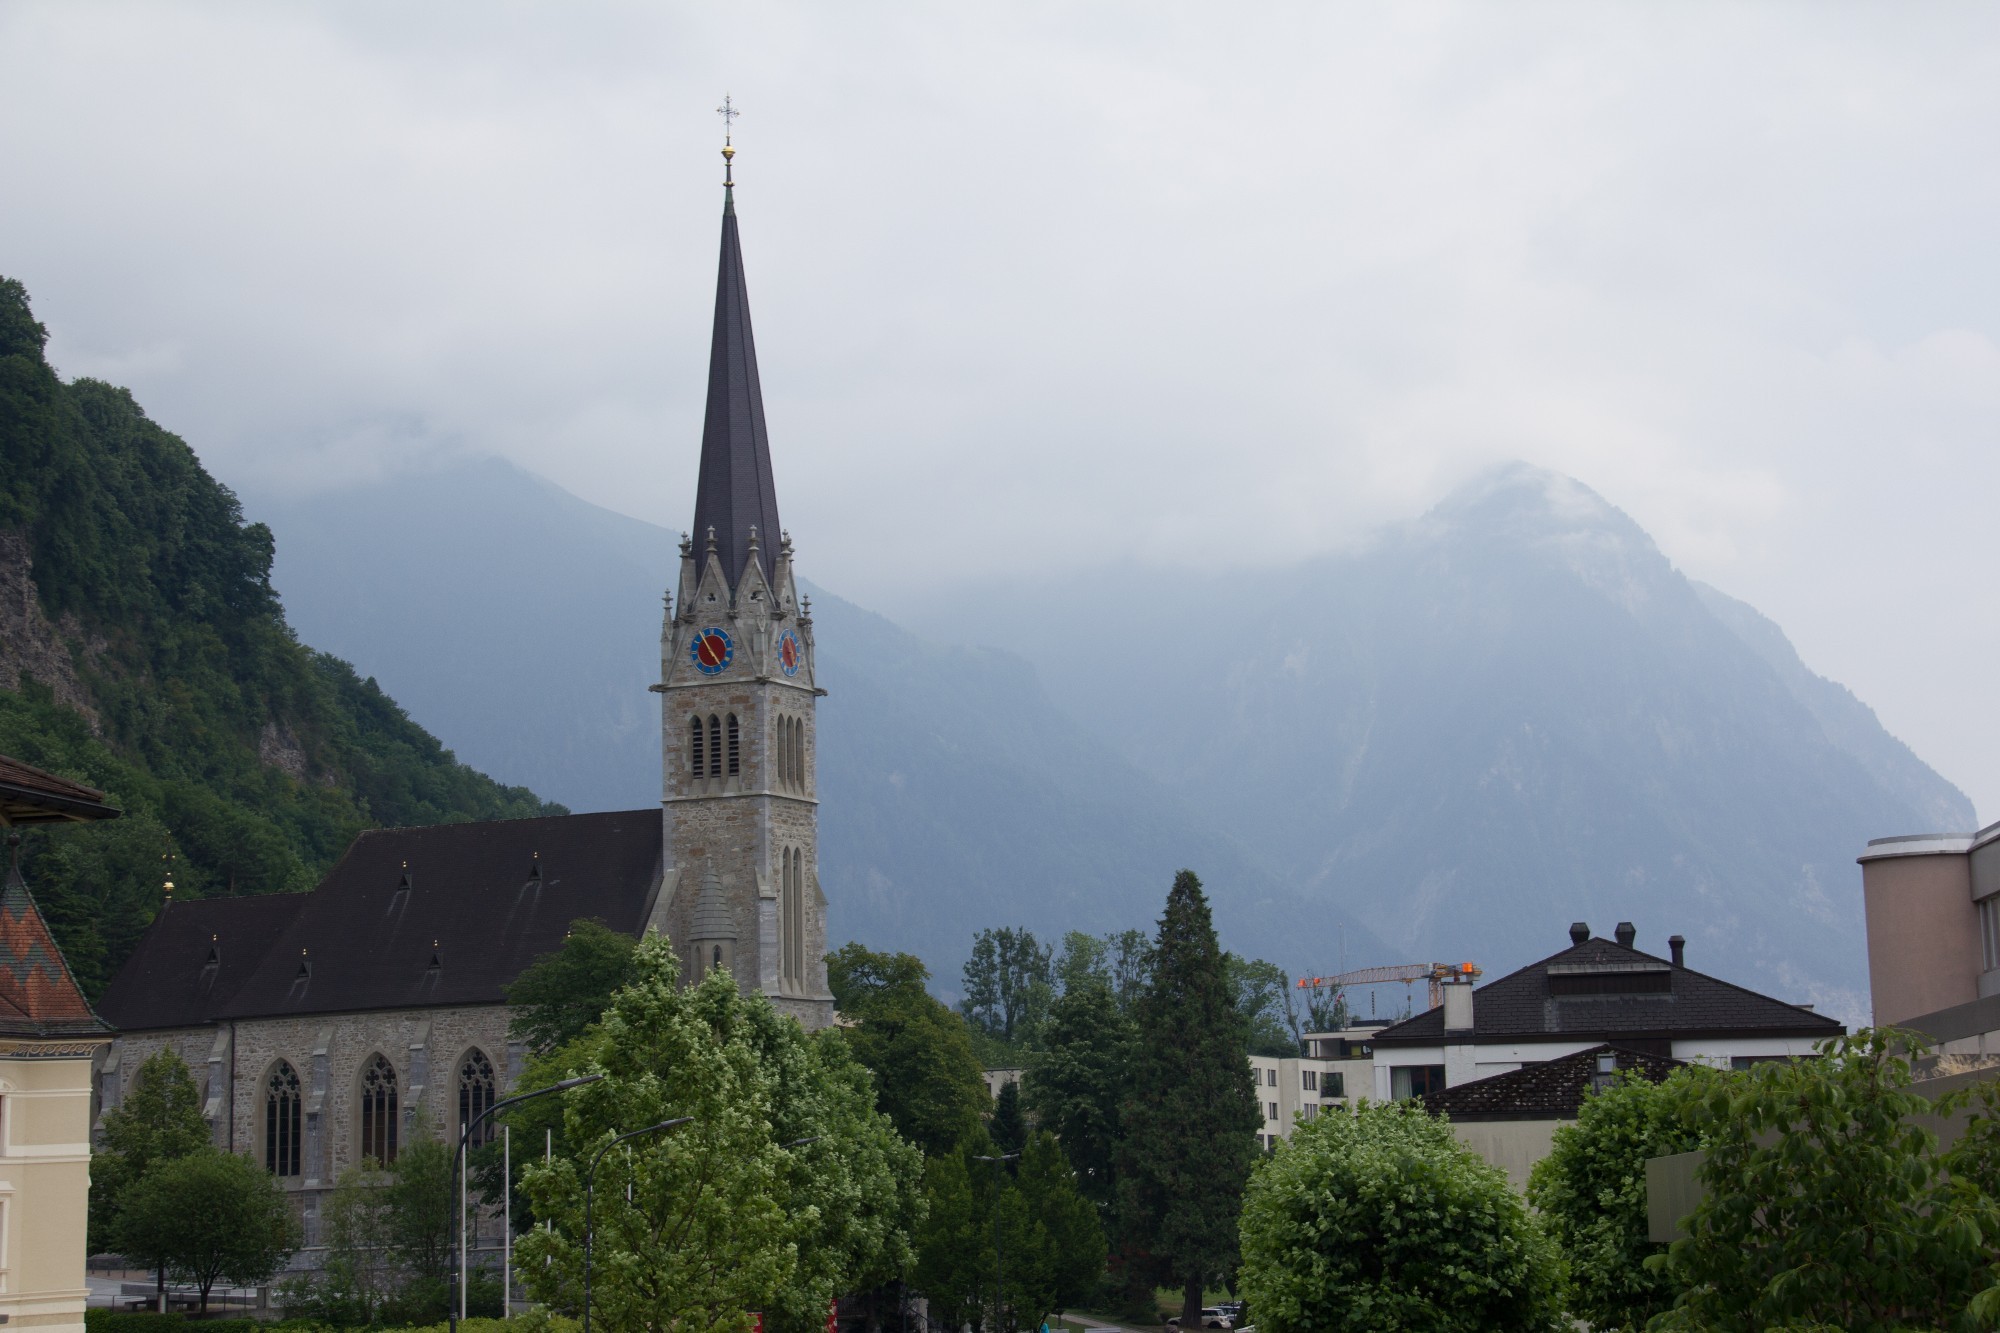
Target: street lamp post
(589, 1188)
(456, 1304)
(999, 1272)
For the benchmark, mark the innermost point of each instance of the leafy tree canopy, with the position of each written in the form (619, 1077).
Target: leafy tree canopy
(1009, 982)
(927, 1079)
(1826, 1200)
(729, 1213)
(1590, 1192)
(209, 1216)
(1381, 1221)
(159, 1120)
(1075, 1083)
(562, 993)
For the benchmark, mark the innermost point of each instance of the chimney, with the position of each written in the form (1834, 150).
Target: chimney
(1579, 931)
(1676, 943)
(1625, 934)
(1458, 1006)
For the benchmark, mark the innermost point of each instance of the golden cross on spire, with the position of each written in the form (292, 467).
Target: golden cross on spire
(729, 113)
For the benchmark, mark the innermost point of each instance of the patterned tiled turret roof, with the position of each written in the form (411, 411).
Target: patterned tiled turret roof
(38, 995)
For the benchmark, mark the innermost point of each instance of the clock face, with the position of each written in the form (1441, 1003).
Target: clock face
(711, 651)
(790, 655)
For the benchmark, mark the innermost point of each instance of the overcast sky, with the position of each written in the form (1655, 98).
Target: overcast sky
(1168, 282)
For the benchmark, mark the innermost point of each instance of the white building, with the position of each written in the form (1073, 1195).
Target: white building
(1336, 1068)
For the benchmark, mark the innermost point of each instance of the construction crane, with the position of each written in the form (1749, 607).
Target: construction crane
(1437, 974)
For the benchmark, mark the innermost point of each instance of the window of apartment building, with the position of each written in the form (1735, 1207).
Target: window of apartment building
(1310, 1111)
(1272, 1113)
(1989, 931)
(1271, 1076)
(1407, 1081)
(1309, 1079)
(1334, 1084)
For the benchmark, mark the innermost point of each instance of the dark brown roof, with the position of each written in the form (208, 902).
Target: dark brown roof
(482, 902)
(29, 795)
(444, 915)
(1602, 991)
(38, 996)
(194, 958)
(1547, 1090)
(734, 491)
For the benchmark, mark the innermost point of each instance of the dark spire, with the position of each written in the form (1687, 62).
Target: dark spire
(735, 492)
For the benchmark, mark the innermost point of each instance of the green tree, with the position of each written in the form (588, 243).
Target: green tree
(209, 1216)
(561, 993)
(419, 1222)
(357, 1277)
(1050, 1247)
(926, 1078)
(1075, 1082)
(159, 1120)
(1075, 1245)
(1381, 1221)
(1590, 1192)
(1130, 960)
(1008, 984)
(1191, 1118)
(1263, 994)
(1826, 1200)
(1009, 1128)
(1082, 959)
(697, 1225)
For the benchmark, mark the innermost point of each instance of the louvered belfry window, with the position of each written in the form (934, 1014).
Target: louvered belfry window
(281, 1121)
(378, 1112)
(735, 747)
(694, 746)
(714, 746)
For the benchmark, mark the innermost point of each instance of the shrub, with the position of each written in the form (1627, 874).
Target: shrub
(1382, 1221)
(1591, 1194)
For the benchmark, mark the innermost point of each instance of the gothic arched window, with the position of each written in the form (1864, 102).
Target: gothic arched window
(694, 746)
(281, 1121)
(784, 749)
(735, 748)
(792, 909)
(799, 753)
(475, 1097)
(714, 746)
(378, 1112)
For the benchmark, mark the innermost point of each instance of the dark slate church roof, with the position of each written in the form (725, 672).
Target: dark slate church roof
(419, 917)
(194, 958)
(735, 492)
(1547, 1090)
(1602, 991)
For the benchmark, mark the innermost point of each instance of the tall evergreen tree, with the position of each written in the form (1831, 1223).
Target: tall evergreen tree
(1191, 1118)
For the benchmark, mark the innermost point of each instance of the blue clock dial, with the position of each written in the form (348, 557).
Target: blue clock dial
(711, 651)
(790, 655)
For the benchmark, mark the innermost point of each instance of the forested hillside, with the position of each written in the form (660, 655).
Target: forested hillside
(143, 651)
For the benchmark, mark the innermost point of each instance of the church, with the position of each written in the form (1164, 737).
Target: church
(329, 1027)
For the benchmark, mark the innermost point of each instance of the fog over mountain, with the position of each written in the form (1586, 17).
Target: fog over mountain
(522, 625)
(1506, 715)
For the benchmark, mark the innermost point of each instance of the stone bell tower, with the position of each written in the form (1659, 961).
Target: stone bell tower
(738, 693)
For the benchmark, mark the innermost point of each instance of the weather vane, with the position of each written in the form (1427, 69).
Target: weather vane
(729, 113)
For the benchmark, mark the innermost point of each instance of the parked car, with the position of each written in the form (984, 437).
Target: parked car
(1211, 1317)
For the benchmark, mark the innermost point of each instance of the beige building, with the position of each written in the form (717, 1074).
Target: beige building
(1933, 911)
(1334, 1070)
(48, 1039)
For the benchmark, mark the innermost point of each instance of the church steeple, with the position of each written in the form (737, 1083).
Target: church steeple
(735, 493)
